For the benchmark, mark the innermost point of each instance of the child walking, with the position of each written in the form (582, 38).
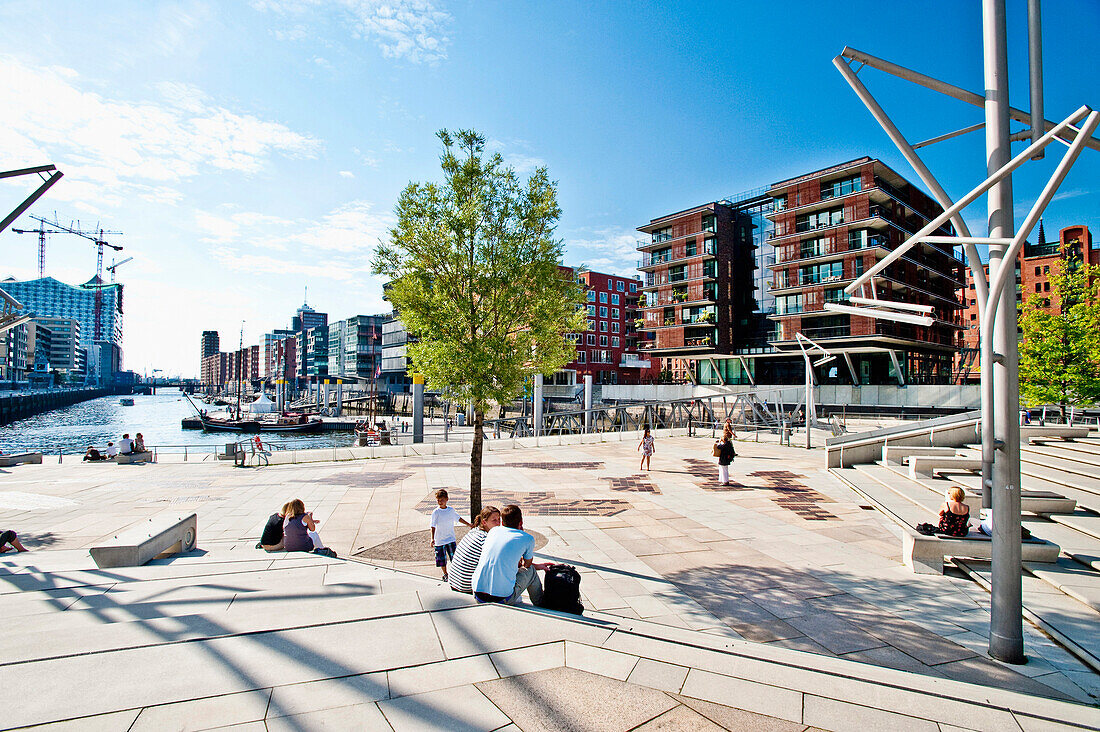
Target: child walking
(647, 448)
(443, 531)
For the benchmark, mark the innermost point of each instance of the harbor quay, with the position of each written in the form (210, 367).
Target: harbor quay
(778, 602)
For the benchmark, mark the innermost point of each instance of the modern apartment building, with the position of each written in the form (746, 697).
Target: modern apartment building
(13, 354)
(830, 226)
(395, 361)
(355, 347)
(313, 353)
(49, 298)
(64, 356)
(211, 344)
(706, 302)
(608, 350)
(729, 284)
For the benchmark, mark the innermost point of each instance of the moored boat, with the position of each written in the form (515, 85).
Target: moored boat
(126, 401)
(283, 423)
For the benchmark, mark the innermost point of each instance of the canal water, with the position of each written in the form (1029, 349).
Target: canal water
(157, 417)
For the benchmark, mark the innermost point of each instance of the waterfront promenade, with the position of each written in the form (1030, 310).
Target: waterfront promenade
(787, 569)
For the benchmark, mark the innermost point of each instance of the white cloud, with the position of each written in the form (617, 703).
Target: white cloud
(410, 29)
(346, 174)
(113, 149)
(611, 249)
(521, 162)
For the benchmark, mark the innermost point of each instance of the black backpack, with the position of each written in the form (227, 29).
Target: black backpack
(562, 589)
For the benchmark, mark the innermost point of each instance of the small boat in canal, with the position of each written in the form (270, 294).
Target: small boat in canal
(126, 401)
(281, 423)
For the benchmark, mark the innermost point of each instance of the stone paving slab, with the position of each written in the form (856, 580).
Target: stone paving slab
(685, 554)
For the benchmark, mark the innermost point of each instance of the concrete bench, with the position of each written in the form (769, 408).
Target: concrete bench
(134, 457)
(33, 458)
(167, 532)
(1052, 432)
(896, 454)
(925, 554)
(921, 466)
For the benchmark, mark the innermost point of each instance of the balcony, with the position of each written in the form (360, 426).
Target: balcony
(707, 248)
(702, 233)
(631, 361)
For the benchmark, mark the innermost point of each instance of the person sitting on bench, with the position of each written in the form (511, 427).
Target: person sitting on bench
(954, 514)
(93, 454)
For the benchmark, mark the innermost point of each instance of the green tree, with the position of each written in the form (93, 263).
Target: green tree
(473, 270)
(1060, 350)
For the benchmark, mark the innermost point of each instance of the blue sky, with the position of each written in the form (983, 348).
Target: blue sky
(251, 149)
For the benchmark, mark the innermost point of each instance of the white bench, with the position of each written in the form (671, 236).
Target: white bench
(1052, 432)
(925, 554)
(167, 532)
(921, 466)
(134, 457)
(7, 461)
(896, 454)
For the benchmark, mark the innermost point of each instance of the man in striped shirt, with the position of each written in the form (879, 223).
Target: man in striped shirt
(461, 572)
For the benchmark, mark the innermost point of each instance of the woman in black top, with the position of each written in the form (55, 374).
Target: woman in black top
(726, 454)
(272, 538)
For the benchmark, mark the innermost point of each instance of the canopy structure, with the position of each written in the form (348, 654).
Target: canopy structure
(263, 405)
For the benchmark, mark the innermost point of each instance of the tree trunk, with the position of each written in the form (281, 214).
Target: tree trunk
(475, 464)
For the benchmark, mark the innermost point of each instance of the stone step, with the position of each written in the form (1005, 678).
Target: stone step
(1065, 451)
(1070, 465)
(1084, 499)
(1069, 621)
(1086, 523)
(1079, 582)
(1037, 502)
(1029, 467)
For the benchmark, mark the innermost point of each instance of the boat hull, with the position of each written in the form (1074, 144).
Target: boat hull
(251, 427)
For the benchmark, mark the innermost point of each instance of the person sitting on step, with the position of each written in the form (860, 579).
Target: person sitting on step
(300, 530)
(954, 514)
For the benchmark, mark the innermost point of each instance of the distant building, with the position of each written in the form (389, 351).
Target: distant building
(39, 348)
(355, 347)
(210, 344)
(1034, 266)
(274, 361)
(64, 357)
(13, 354)
(313, 353)
(49, 298)
(608, 350)
(395, 361)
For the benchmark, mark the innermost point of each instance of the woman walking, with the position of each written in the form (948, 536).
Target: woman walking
(725, 453)
(647, 448)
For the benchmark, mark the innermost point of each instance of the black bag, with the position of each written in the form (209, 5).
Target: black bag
(562, 589)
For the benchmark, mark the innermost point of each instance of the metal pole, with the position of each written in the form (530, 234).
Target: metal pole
(1035, 66)
(538, 404)
(418, 407)
(1006, 641)
(809, 396)
(588, 402)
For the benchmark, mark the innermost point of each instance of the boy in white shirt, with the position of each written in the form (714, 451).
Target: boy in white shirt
(443, 531)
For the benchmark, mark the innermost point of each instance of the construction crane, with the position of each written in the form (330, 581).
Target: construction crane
(96, 235)
(115, 265)
(41, 231)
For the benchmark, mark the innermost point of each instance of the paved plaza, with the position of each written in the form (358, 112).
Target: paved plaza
(786, 564)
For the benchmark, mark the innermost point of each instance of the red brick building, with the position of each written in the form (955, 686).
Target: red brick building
(1034, 265)
(832, 225)
(608, 350)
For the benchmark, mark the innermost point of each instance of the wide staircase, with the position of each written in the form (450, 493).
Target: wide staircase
(1060, 504)
(229, 636)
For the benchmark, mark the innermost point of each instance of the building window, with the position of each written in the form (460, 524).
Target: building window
(973, 303)
(817, 273)
(1046, 287)
(603, 326)
(591, 296)
(1037, 270)
(615, 298)
(614, 327)
(592, 325)
(843, 187)
(603, 311)
(1038, 287)
(591, 309)
(614, 313)
(620, 286)
(661, 235)
(581, 356)
(603, 341)
(603, 297)
(614, 341)
(819, 219)
(633, 286)
(781, 203)
(859, 266)
(591, 339)
(1046, 269)
(710, 223)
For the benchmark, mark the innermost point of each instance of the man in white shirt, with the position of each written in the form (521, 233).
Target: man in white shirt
(506, 568)
(125, 445)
